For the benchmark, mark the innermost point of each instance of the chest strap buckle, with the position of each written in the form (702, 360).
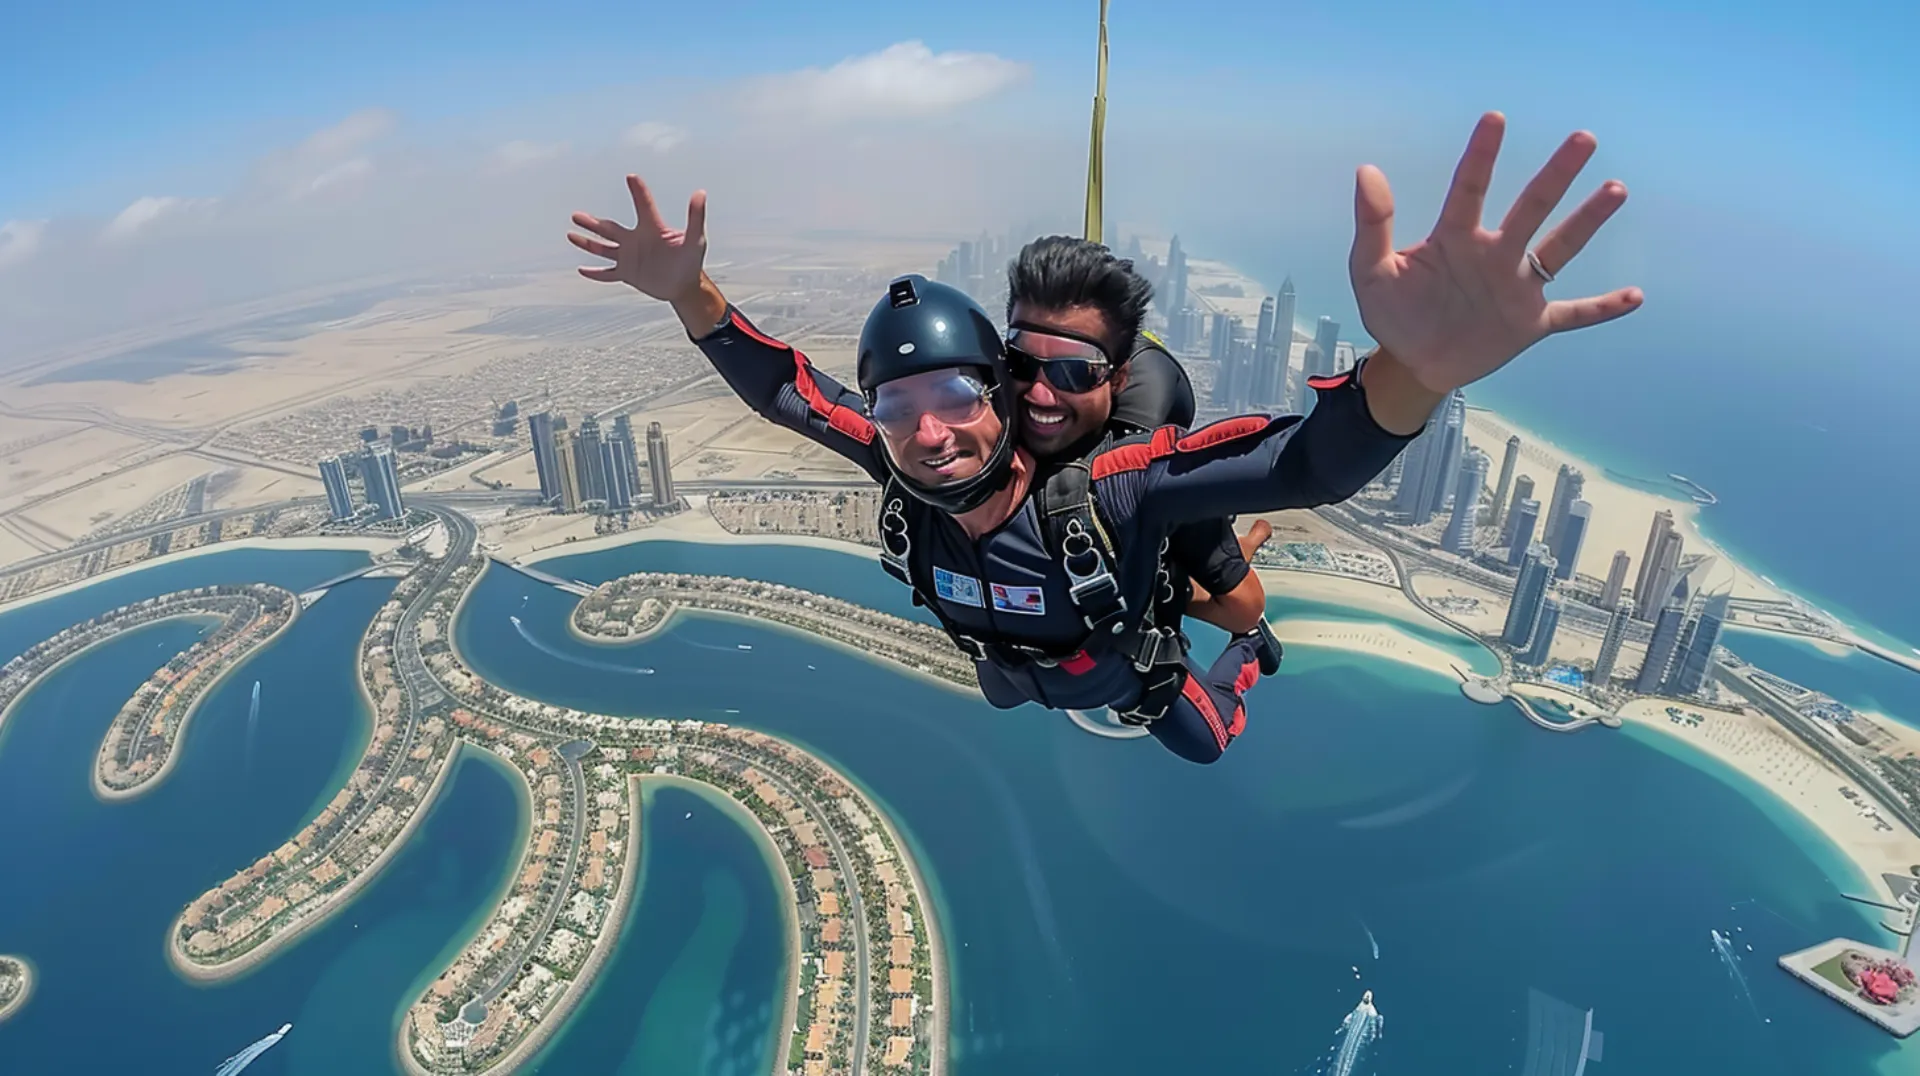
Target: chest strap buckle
(969, 646)
(1155, 700)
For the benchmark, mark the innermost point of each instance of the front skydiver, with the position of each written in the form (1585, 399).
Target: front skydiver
(933, 374)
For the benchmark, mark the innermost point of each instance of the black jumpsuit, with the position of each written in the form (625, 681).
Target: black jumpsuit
(1007, 587)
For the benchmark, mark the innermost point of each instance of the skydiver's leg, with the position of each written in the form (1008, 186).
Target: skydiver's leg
(1210, 712)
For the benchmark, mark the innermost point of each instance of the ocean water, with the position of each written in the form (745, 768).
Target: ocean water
(1804, 435)
(696, 983)
(90, 887)
(1106, 907)
(1110, 909)
(1814, 490)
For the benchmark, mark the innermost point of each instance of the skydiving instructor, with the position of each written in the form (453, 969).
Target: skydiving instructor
(933, 420)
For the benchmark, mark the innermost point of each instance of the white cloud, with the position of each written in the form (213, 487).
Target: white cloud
(655, 136)
(327, 158)
(348, 135)
(343, 173)
(905, 79)
(19, 239)
(520, 153)
(146, 210)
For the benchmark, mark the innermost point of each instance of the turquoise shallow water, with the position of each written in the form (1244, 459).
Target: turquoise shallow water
(1107, 908)
(700, 971)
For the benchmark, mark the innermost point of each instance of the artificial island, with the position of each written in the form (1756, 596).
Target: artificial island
(865, 990)
(455, 482)
(16, 984)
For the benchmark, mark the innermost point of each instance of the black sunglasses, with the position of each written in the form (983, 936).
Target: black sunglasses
(1070, 365)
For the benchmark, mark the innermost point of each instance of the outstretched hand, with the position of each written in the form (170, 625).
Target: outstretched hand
(1465, 301)
(656, 260)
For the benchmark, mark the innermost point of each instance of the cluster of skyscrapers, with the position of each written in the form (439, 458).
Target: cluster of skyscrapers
(586, 469)
(1440, 473)
(979, 268)
(379, 482)
(1254, 368)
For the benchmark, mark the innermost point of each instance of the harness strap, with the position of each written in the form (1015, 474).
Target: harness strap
(1085, 548)
(896, 556)
(1158, 697)
(1074, 531)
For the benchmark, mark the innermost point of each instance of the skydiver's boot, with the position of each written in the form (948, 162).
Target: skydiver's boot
(1266, 646)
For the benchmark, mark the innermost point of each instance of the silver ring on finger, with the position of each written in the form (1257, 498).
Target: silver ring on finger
(1539, 270)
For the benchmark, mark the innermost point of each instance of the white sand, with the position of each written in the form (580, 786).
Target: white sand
(696, 524)
(1622, 516)
(1798, 778)
(1373, 640)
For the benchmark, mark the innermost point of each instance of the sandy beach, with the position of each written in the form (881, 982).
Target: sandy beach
(696, 524)
(1622, 515)
(1772, 759)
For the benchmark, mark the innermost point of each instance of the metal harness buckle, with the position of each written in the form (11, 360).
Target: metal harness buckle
(1162, 693)
(1090, 583)
(1151, 642)
(894, 543)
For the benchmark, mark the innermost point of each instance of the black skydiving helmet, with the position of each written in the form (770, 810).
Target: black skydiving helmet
(926, 328)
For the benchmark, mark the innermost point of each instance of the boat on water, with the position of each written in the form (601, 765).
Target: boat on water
(1699, 493)
(233, 1065)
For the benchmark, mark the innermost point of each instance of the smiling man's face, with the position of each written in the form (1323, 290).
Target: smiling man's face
(938, 427)
(1053, 419)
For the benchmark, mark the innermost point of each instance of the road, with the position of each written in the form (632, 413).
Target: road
(448, 499)
(421, 691)
(571, 753)
(863, 995)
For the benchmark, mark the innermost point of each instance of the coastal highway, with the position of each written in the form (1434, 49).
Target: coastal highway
(570, 753)
(856, 910)
(421, 690)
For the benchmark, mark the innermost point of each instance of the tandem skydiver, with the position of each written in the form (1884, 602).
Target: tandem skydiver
(1084, 369)
(1056, 607)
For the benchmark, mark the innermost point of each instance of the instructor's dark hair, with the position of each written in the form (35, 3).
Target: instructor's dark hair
(1060, 271)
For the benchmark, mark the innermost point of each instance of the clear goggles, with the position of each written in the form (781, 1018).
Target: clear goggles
(955, 397)
(1068, 363)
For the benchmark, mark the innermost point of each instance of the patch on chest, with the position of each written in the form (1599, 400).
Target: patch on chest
(956, 588)
(1008, 599)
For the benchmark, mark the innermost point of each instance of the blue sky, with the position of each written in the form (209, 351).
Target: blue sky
(94, 97)
(1757, 137)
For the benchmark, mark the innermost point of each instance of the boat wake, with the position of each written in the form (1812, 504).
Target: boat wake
(585, 663)
(1361, 1029)
(232, 1065)
(253, 720)
(734, 649)
(1723, 948)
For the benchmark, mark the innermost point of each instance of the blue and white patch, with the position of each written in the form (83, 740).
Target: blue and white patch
(1030, 600)
(958, 589)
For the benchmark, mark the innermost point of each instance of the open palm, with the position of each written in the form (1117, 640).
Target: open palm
(1464, 302)
(656, 260)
